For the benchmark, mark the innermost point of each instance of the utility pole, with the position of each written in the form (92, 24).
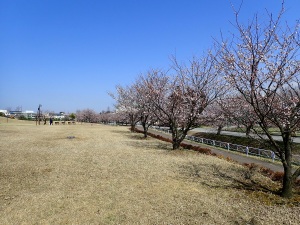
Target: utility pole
(39, 113)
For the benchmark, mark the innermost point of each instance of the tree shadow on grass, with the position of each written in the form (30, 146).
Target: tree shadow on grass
(223, 180)
(144, 145)
(269, 194)
(120, 131)
(136, 136)
(129, 134)
(248, 183)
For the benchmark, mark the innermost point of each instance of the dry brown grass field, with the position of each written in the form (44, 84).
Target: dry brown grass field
(107, 175)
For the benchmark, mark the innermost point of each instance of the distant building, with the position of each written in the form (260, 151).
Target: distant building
(5, 112)
(31, 115)
(15, 113)
(57, 116)
(28, 114)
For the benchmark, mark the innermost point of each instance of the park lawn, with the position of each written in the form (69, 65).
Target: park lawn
(97, 174)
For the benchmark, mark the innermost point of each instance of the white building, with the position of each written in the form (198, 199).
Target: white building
(29, 114)
(5, 112)
(59, 116)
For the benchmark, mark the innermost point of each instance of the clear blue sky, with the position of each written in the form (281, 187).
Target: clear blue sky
(67, 54)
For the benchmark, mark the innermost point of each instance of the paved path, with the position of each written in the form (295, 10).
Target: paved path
(238, 134)
(240, 158)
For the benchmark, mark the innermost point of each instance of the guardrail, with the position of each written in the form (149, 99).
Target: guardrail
(231, 147)
(237, 148)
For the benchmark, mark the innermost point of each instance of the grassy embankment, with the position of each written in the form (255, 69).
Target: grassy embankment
(107, 175)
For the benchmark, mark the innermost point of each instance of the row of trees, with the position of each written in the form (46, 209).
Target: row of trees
(251, 79)
(106, 116)
(175, 98)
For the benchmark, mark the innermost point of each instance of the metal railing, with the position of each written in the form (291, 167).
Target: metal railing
(234, 147)
(229, 146)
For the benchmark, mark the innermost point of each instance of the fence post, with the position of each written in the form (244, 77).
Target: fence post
(214, 143)
(247, 150)
(272, 156)
(228, 146)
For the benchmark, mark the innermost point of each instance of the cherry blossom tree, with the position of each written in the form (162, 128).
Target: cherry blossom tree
(262, 64)
(87, 116)
(127, 103)
(215, 116)
(107, 117)
(179, 99)
(147, 114)
(238, 112)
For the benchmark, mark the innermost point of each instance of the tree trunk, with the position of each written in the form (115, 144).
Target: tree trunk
(143, 120)
(178, 137)
(248, 129)
(132, 127)
(176, 144)
(145, 127)
(219, 130)
(132, 123)
(287, 185)
(175, 139)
